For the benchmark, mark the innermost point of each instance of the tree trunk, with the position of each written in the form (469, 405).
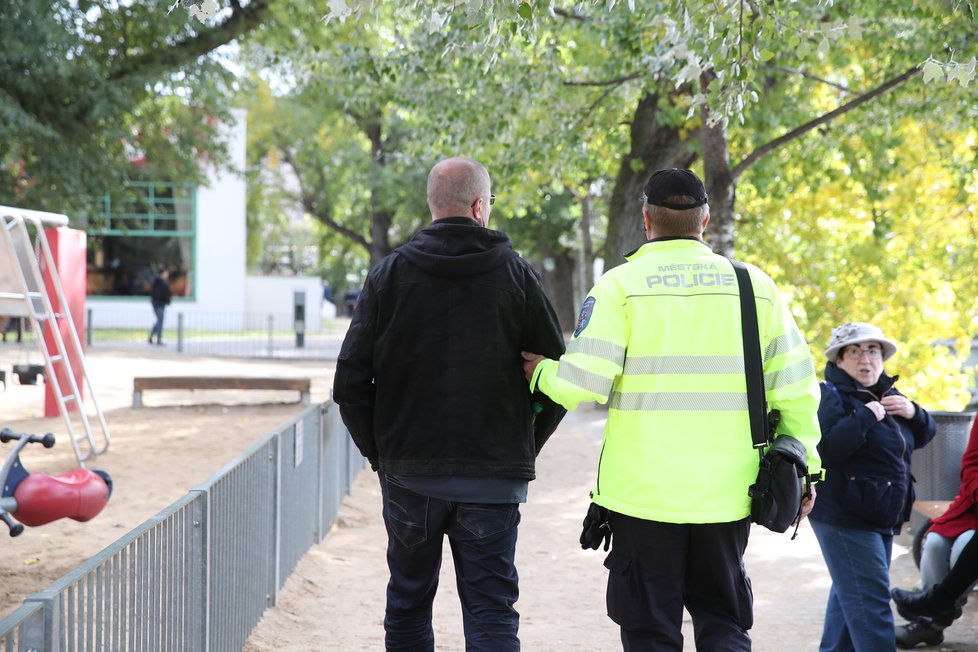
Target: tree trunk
(653, 146)
(380, 223)
(558, 282)
(585, 255)
(380, 216)
(720, 186)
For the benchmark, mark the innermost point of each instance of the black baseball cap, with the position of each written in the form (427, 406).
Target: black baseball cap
(671, 182)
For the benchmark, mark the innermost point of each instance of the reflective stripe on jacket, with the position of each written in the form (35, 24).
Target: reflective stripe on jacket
(659, 340)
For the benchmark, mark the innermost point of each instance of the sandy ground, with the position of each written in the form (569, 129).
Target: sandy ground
(335, 598)
(157, 453)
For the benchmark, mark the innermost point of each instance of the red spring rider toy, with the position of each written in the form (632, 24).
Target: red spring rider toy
(39, 498)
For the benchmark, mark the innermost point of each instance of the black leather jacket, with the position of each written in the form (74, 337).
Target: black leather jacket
(429, 379)
(868, 485)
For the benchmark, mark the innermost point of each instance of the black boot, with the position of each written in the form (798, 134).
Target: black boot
(914, 605)
(918, 632)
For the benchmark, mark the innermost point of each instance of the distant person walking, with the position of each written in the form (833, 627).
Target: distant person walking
(160, 298)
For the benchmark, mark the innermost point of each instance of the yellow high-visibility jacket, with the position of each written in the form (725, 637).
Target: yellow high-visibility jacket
(659, 339)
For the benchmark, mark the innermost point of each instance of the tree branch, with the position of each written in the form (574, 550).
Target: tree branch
(595, 104)
(607, 82)
(563, 13)
(309, 205)
(808, 75)
(150, 63)
(772, 145)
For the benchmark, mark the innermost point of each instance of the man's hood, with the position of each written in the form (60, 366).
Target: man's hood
(457, 246)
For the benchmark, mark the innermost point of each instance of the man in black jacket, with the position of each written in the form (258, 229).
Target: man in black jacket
(430, 383)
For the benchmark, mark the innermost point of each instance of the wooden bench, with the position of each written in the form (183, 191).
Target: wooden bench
(140, 384)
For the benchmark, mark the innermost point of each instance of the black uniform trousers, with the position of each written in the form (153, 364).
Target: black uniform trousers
(658, 568)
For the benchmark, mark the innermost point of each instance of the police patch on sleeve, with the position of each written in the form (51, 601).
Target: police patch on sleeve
(585, 316)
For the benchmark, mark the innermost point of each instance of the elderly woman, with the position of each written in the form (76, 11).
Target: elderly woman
(869, 430)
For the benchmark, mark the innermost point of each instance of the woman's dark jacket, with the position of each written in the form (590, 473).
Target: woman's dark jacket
(867, 483)
(429, 379)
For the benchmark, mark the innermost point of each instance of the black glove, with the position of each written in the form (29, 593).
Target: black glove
(597, 528)
(374, 464)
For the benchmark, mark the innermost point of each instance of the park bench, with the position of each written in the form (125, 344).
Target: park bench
(140, 384)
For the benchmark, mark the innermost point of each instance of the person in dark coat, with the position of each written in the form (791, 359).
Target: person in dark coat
(869, 431)
(160, 296)
(429, 381)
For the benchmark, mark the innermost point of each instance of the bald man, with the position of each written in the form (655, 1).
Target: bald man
(429, 382)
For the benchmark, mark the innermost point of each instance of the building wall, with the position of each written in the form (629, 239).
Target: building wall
(276, 295)
(222, 230)
(219, 256)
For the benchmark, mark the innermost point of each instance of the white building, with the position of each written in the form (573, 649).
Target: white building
(199, 235)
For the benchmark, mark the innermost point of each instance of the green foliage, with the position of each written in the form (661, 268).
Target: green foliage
(86, 87)
(861, 243)
(546, 96)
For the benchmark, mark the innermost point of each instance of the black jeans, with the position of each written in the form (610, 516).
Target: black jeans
(483, 541)
(658, 568)
(157, 329)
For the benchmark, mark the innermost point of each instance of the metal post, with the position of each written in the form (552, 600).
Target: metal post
(321, 527)
(199, 565)
(271, 331)
(276, 578)
(179, 332)
(88, 329)
(299, 317)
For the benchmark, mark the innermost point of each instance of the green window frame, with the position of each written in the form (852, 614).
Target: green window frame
(148, 226)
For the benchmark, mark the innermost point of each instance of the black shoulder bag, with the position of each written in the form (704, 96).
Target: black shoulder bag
(782, 477)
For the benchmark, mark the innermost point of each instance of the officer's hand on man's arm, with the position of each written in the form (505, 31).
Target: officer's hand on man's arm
(530, 362)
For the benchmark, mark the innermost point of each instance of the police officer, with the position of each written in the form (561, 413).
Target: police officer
(659, 339)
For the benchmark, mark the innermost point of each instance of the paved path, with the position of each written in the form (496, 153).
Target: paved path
(335, 598)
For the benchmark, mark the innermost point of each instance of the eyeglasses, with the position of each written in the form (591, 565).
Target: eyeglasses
(492, 199)
(856, 352)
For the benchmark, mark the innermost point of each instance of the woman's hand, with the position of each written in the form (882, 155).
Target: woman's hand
(877, 409)
(899, 406)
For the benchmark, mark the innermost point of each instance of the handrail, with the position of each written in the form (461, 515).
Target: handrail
(37, 217)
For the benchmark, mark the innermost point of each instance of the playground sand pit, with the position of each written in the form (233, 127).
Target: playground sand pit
(157, 453)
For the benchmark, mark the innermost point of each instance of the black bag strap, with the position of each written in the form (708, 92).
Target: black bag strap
(753, 369)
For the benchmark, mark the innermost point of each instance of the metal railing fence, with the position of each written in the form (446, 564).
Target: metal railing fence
(216, 334)
(200, 574)
(229, 334)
